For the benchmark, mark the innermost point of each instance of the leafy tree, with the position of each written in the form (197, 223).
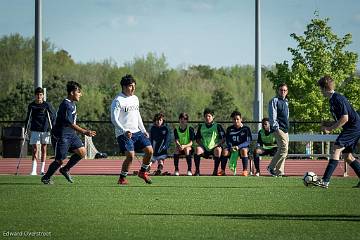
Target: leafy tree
(319, 52)
(223, 104)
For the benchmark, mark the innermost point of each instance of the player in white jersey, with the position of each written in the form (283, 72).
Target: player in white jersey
(129, 129)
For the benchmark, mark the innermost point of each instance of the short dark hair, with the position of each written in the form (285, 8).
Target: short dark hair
(265, 119)
(158, 116)
(72, 86)
(326, 82)
(127, 80)
(282, 85)
(208, 111)
(235, 113)
(184, 115)
(39, 90)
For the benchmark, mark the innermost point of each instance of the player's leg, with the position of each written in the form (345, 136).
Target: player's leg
(225, 154)
(126, 146)
(45, 140)
(142, 142)
(198, 152)
(61, 146)
(217, 154)
(79, 152)
(245, 159)
(257, 152)
(276, 166)
(188, 153)
(176, 161)
(354, 164)
(34, 141)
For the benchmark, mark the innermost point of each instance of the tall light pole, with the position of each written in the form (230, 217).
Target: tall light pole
(258, 102)
(38, 45)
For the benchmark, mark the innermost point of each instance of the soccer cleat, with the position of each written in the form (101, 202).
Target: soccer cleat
(271, 171)
(33, 174)
(321, 183)
(257, 174)
(122, 181)
(157, 172)
(189, 173)
(176, 173)
(245, 173)
(46, 181)
(197, 173)
(66, 175)
(42, 173)
(221, 173)
(145, 176)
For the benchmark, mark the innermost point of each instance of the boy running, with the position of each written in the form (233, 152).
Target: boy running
(64, 138)
(129, 129)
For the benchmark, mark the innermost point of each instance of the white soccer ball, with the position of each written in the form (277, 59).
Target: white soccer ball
(309, 178)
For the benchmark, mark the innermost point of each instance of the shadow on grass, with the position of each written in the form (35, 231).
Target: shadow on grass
(296, 217)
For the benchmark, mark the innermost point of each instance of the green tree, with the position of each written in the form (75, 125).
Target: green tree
(223, 103)
(319, 52)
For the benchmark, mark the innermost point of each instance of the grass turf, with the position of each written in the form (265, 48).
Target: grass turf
(95, 207)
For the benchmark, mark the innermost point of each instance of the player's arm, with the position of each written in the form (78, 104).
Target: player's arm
(141, 125)
(259, 142)
(81, 130)
(273, 114)
(222, 135)
(27, 117)
(115, 112)
(338, 124)
(198, 136)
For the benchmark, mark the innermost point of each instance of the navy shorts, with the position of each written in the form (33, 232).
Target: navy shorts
(137, 142)
(64, 144)
(348, 139)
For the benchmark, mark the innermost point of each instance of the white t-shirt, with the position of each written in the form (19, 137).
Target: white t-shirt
(125, 114)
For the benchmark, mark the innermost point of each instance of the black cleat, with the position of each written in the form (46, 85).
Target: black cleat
(47, 181)
(66, 175)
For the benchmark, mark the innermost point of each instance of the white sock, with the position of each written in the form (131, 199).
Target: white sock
(42, 167)
(34, 166)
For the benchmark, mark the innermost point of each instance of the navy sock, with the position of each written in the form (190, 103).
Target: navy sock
(245, 161)
(216, 165)
(189, 162)
(223, 162)
(176, 162)
(197, 162)
(52, 169)
(356, 166)
(330, 170)
(74, 159)
(257, 162)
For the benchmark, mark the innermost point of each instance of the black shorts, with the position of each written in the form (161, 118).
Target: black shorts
(268, 152)
(348, 139)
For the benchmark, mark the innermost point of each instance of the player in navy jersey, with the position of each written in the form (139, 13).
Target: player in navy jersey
(238, 138)
(346, 118)
(209, 136)
(64, 138)
(184, 136)
(41, 116)
(160, 140)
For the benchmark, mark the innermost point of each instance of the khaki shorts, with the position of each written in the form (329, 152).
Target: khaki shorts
(40, 138)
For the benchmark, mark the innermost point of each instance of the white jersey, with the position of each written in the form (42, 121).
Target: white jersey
(125, 114)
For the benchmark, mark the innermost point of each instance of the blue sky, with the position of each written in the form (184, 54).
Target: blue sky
(210, 32)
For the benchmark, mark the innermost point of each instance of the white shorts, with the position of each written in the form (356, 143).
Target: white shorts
(158, 158)
(40, 138)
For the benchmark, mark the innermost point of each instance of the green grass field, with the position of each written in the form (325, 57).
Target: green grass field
(95, 207)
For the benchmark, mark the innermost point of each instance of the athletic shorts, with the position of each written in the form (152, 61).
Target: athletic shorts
(348, 139)
(137, 142)
(40, 138)
(65, 144)
(158, 158)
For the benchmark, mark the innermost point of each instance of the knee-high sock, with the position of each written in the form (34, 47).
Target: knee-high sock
(74, 159)
(216, 165)
(356, 166)
(330, 170)
(245, 161)
(176, 162)
(189, 162)
(52, 169)
(223, 162)
(257, 162)
(197, 162)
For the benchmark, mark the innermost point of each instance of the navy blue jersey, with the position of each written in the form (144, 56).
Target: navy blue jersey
(39, 116)
(160, 139)
(240, 137)
(340, 106)
(66, 116)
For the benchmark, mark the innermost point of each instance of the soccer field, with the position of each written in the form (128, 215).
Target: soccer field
(95, 207)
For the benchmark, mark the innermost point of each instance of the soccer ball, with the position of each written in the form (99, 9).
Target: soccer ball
(309, 178)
